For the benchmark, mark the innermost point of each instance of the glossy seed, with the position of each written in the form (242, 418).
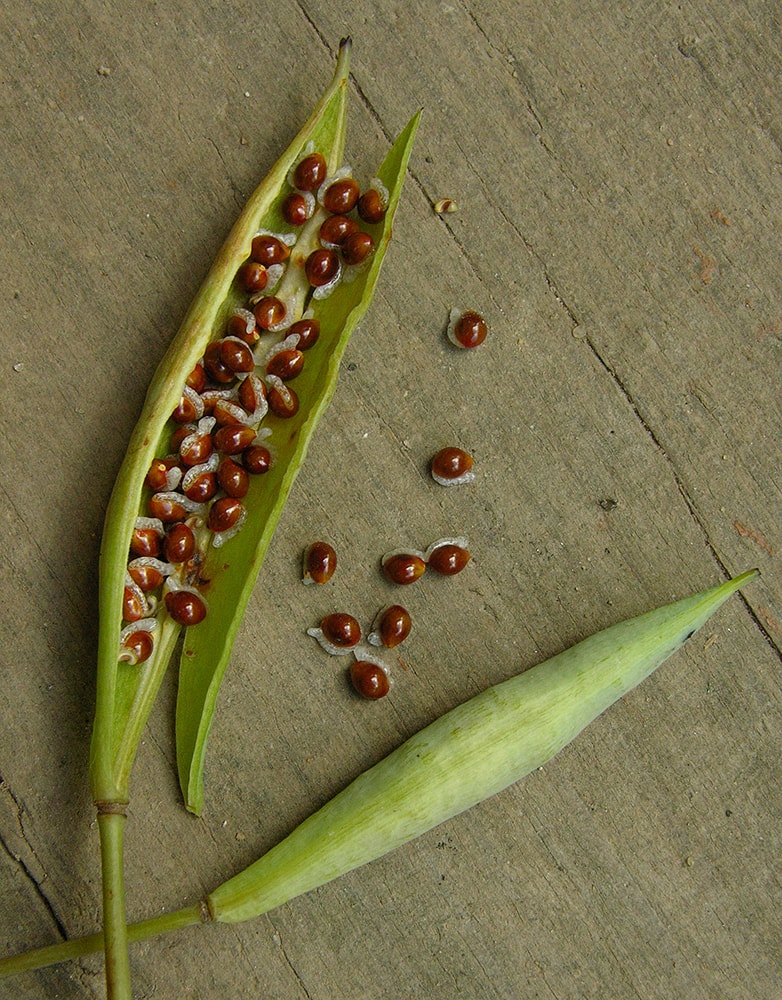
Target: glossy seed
(252, 393)
(321, 267)
(451, 466)
(233, 438)
(357, 247)
(236, 355)
(341, 195)
(269, 312)
(166, 509)
(196, 380)
(268, 250)
(133, 606)
(201, 488)
(185, 411)
(371, 207)
(214, 365)
(286, 364)
(310, 172)
(341, 630)
(242, 324)
(185, 607)
(403, 567)
(307, 330)
(146, 542)
(253, 276)
(369, 679)
(392, 626)
(157, 475)
(335, 229)
(467, 329)
(224, 513)
(137, 647)
(233, 478)
(147, 578)
(448, 559)
(282, 400)
(257, 459)
(179, 544)
(296, 209)
(320, 562)
(195, 449)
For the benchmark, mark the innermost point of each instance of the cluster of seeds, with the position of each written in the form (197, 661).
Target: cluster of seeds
(196, 491)
(446, 556)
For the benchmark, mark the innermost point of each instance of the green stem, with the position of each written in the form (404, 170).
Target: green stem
(111, 825)
(39, 958)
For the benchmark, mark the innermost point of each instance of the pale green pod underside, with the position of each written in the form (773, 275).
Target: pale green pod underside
(469, 754)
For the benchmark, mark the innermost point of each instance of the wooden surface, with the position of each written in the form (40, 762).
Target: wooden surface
(618, 176)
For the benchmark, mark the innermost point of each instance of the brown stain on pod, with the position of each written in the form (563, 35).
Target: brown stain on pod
(357, 247)
(369, 680)
(307, 330)
(448, 559)
(403, 568)
(224, 514)
(253, 276)
(257, 459)
(179, 544)
(341, 196)
(320, 562)
(393, 626)
(231, 439)
(268, 250)
(310, 172)
(185, 607)
(341, 630)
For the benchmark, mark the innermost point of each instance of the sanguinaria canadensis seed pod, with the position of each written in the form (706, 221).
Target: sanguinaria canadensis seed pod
(466, 329)
(452, 467)
(391, 627)
(319, 564)
(403, 567)
(369, 679)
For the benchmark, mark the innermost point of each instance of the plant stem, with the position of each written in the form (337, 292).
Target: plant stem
(39, 958)
(111, 825)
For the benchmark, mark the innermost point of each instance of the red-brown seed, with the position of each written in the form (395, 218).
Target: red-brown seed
(196, 380)
(403, 568)
(237, 327)
(252, 393)
(139, 646)
(202, 488)
(166, 509)
(132, 605)
(253, 276)
(157, 475)
(268, 250)
(308, 331)
(370, 207)
(236, 357)
(336, 228)
(224, 513)
(213, 364)
(185, 607)
(341, 630)
(449, 559)
(233, 438)
(341, 195)
(295, 209)
(225, 412)
(233, 478)
(357, 247)
(146, 578)
(185, 411)
(283, 401)
(179, 436)
(269, 312)
(286, 364)
(145, 542)
(369, 679)
(470, 329)
(257, 459)
(320, 562)
(394, 626)
(195, 449)
(321, 267)
(179, 544)
(310, 172)
(451, 463)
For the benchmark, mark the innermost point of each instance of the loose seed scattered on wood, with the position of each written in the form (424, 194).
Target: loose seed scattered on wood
(466, 329)
(452, 467)
(319, 563)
